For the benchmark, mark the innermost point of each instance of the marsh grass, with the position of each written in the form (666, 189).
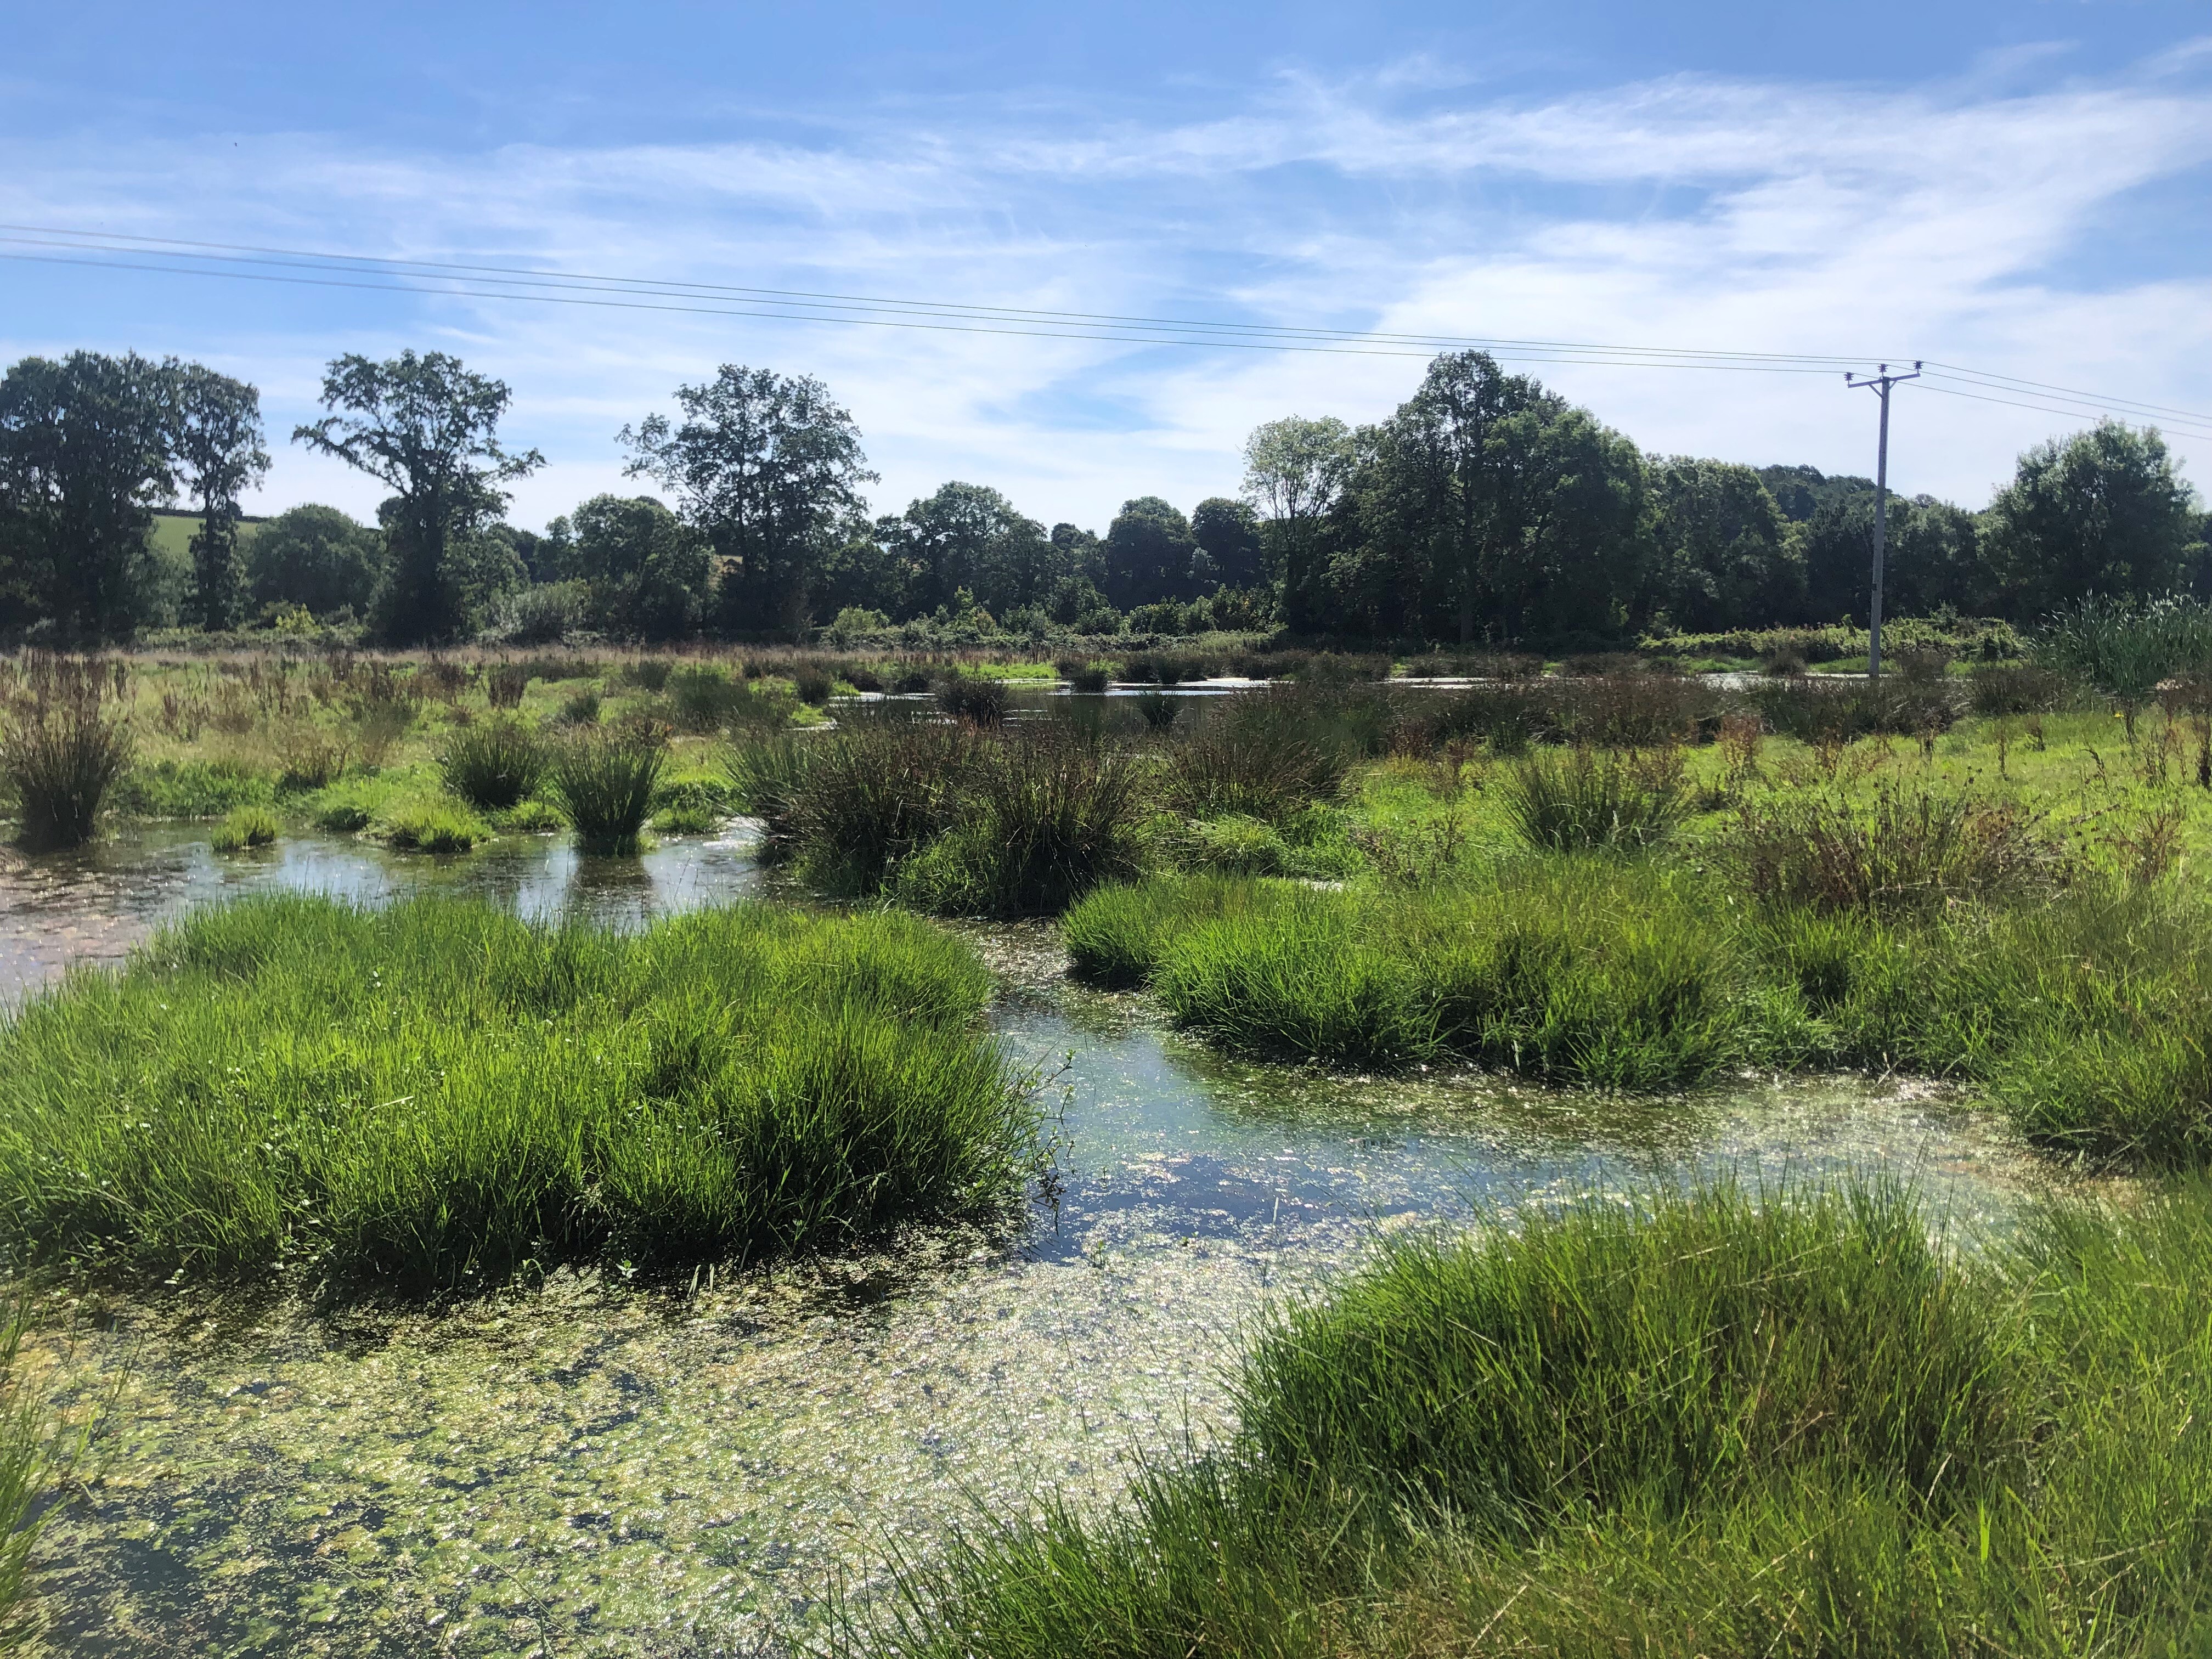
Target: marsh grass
(28, 1471)
(1042, 818)
(2081, 1011)
(1571, 799)
(1700, 1424)
(1907, 847)
(414, 825)
(244, 827)
(1264, 754)
(492, 764)
(604, 780)
(437, 1094)
(873, 794)
(62, 747)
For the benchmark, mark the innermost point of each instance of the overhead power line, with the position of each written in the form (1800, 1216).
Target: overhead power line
(246, 262)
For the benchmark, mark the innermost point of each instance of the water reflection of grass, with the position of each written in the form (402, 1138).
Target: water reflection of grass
(1697, 1425)
(437, 1094)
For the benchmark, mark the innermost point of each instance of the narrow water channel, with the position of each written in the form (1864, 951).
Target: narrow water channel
(589, 1467)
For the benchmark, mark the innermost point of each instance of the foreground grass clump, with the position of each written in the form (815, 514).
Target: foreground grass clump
(1697, 1425)
(1567, 799)
(438, 1094)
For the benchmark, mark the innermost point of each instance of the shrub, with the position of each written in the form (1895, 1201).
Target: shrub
(813, 683)
(1632, 710)
(431, 826)
(443, 1093)
(491, 763)
(1907, 847)
(62, 750)
(543, 613)
(244, 827)
(1567, 800)
(703, 698)
(1158, 709)
(307, 756)
(2007, 688)
(649, 673)
(581, 709)
(1081, 674)
(1819, 711)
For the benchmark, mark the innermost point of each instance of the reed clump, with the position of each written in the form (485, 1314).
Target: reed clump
(437, 1094)
(602, 780)
(1906, 847)
(2080, 1010)
(492, 764)
(1043, 817)
(1572, 799)
(63, 743)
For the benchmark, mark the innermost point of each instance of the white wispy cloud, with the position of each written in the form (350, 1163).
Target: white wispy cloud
(1948, 220)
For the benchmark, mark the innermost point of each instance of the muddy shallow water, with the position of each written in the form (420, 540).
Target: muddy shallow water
(590, 1467)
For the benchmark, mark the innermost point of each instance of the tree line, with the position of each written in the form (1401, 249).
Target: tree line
(1485, 508)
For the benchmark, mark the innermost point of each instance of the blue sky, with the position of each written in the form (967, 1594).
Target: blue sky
(2024, 188)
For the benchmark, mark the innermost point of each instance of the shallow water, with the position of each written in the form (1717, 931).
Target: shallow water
(588, 1468)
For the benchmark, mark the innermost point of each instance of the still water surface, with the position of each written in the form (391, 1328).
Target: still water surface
(587, 1467)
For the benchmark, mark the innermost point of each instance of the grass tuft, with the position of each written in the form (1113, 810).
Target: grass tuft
(245, 826)
(603, 784)
(491, 763)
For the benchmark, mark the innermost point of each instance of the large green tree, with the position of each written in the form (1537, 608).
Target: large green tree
(2102, 512)
(1148, 554)
(646, 570)
(1227, 532)
(769, 469)
(968, 537)
(428, 428)
(1724, 555)
(219, 452)
(87, 452)
(1524, 509)
(316, 557)
(1295, 471)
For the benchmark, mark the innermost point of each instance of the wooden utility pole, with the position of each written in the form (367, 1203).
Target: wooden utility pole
(1881, 383)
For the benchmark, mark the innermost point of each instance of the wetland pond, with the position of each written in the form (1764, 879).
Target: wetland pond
(587, 1466)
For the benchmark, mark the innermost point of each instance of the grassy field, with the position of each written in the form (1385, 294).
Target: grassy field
(436, 1094)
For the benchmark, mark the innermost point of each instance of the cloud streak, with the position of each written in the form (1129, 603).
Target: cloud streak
(1950, 222)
